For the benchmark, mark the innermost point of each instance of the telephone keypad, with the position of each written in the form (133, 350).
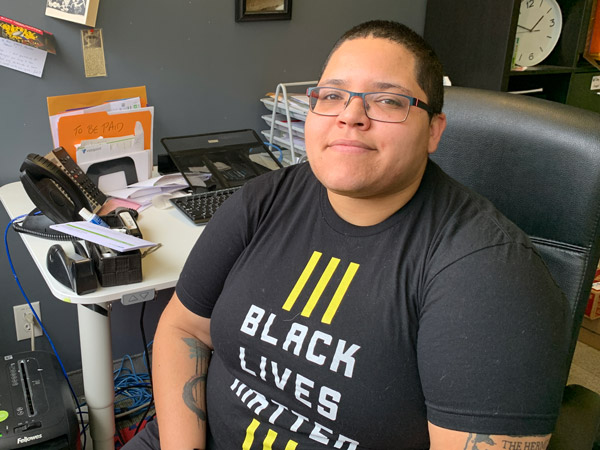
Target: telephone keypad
(91, 191)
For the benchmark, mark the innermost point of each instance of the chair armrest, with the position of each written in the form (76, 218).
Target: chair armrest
(578, 420)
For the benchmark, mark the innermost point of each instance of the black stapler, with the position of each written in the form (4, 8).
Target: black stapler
(76, 272)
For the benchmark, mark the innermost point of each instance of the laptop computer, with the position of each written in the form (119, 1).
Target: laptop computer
(222, 160)
(215, 165)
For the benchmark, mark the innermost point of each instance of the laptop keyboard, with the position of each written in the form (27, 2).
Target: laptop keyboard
(199, 208)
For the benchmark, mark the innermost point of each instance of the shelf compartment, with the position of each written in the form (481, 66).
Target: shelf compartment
(554, 86)
(541, 70)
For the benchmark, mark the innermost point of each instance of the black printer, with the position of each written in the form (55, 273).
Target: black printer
(37, 410)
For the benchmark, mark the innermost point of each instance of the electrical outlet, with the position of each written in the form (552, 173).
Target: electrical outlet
(22, 326)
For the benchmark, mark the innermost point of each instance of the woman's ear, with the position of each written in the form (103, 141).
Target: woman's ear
(437, 125)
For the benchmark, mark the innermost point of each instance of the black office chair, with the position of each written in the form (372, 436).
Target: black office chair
(539, 163)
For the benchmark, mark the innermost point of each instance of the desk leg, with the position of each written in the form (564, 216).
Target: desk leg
(97, 371)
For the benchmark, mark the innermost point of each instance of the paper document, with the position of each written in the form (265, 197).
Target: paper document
(107, 237)
(23, 47)
(300, 100)
(72, 129)
(282, 139)
(116, 105)
(142, 195)
(113, 203)
(130, 193)
(22, 58)
(168, 180)
(62, 103)
(282, 124)
(296, 111)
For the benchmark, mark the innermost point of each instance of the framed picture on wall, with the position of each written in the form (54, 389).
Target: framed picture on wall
(253, 10)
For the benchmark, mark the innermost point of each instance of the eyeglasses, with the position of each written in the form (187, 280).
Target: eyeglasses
(380, 106)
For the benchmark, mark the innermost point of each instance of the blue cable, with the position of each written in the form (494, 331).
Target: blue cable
(268, 144)
(12, 268)
(134, 387)
(144, 354)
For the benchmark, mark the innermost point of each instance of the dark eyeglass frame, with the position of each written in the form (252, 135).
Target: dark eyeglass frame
(413, 102)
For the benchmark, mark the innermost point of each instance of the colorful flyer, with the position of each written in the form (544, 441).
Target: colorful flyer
(27, 35)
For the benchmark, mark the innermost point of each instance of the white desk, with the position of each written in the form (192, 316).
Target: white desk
(160, 270)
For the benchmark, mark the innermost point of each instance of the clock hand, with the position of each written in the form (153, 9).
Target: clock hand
(536, 24)
(521, 26)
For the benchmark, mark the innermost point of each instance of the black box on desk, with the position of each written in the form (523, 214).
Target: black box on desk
(115, 268)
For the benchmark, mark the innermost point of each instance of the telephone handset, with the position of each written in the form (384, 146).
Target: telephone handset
(57, 193)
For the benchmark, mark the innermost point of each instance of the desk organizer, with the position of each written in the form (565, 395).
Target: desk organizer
(118, 269)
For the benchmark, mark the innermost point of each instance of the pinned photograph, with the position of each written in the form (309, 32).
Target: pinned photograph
(93, 53)
(78, 11)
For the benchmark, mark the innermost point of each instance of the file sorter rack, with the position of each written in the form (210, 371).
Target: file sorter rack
(285, 106)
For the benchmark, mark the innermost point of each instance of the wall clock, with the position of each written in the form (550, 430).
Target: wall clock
(538, 31)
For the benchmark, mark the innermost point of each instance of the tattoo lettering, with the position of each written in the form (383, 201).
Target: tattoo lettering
(532, 445)
(485, 442)
(194, 391)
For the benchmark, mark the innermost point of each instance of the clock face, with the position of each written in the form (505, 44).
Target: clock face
(538, 30)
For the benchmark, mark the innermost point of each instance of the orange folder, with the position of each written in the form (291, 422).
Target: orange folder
(74, 129)
(62, 103)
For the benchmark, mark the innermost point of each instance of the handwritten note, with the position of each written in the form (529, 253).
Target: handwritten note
(104, 124)
(22, 57)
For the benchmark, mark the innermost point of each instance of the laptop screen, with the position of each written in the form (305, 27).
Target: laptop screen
(220, 160)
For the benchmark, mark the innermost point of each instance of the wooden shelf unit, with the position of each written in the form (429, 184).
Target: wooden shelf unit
(475, 39)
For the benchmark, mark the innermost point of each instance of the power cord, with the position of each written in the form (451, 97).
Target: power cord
(30, 320)
(39, 321)
(148, 366)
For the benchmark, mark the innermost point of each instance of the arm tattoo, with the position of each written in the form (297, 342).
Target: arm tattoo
(485, 442)
(194, 390)
(474, 439)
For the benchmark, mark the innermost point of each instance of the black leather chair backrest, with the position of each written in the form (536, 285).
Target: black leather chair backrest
(539, 163)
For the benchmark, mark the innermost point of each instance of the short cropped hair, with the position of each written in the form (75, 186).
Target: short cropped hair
(428, 68)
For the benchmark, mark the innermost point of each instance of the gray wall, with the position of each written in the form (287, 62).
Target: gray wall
(203, 72)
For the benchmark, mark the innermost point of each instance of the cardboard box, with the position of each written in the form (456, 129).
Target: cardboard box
(592, 311)
(590, 333)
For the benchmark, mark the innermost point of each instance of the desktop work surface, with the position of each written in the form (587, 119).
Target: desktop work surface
(160, 269)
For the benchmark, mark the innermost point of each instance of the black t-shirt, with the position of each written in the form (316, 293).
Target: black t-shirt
(330, 335)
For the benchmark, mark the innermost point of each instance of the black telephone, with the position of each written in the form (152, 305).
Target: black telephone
(60, 189)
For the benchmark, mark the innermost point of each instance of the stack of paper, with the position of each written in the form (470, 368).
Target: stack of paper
(297, 109)
(282, 124)
(96, 127)
(143, 192)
